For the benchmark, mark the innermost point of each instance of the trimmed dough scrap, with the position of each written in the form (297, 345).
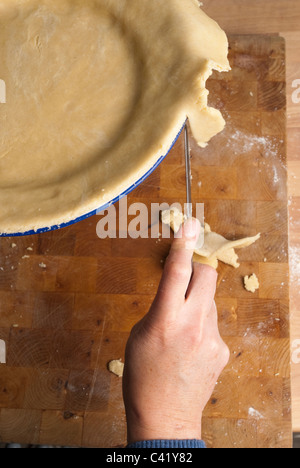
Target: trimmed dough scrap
(215, 247)
(116, 367)
(251, 283)
(96, 93)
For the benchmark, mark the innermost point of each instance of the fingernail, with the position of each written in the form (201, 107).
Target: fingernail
(191, 228)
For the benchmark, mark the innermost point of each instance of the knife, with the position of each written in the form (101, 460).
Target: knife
(188, 174)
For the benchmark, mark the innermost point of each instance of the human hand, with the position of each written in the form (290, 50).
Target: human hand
(175, 354)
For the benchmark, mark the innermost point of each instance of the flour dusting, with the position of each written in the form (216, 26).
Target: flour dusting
(243, 143)
(268, 147)
(276, 176)
(255, 414)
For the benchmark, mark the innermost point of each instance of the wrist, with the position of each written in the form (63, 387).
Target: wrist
(162, 428)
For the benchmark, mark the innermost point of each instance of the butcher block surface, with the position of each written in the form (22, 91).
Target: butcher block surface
(68, 299)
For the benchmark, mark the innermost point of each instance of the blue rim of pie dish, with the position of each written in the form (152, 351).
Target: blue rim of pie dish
(103, 207)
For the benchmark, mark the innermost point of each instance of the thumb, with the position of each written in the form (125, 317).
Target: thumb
(178, 269)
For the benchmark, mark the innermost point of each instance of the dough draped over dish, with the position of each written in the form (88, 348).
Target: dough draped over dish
(96, 93)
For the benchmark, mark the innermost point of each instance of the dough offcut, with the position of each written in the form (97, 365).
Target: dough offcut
(215, 247)
(96, 92)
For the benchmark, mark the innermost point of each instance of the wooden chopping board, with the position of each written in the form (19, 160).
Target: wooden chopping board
(68, 300)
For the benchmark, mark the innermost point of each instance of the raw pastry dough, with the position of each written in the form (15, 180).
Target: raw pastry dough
(96, 92)
(251, 283)
(215, 247)
(116, 367)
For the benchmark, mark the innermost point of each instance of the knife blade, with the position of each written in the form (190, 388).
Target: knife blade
(188, 174)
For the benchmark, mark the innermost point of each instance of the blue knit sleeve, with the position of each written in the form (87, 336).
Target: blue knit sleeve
(174, 444)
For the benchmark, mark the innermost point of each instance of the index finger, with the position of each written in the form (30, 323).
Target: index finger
(202, 288)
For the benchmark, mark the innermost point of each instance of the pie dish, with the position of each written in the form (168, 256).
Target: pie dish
(96, 93)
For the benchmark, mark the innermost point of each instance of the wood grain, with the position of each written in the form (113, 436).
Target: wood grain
(257, 17)
(68, 305)
(282, 17)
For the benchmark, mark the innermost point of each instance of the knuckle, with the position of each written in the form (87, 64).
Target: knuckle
(225, 353)
(178, 272)
(220, 350)
(214, 346)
